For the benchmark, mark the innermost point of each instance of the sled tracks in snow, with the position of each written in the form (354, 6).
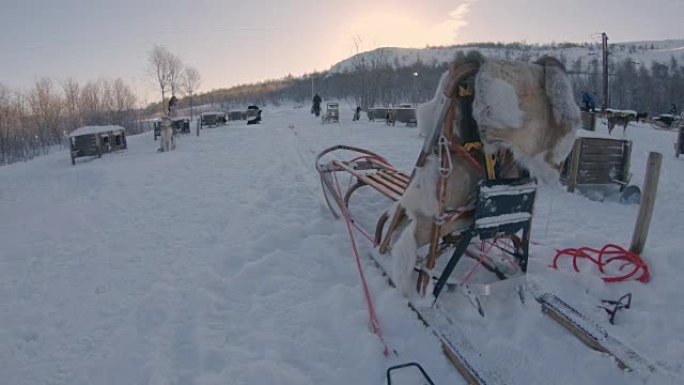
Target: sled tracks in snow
(477, 369)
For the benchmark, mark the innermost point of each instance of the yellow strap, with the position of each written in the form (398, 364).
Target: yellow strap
(472, 146)
(464, 91)
(490, 161)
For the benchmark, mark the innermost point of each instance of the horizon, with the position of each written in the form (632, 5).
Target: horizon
(286, 33)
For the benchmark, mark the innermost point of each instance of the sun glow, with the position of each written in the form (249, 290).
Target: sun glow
(390, 27)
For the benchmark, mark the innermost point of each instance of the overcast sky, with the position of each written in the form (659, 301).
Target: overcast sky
(232, 42)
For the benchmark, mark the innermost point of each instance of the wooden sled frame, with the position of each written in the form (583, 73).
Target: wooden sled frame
(370, 169)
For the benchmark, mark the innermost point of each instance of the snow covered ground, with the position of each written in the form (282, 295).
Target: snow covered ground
(217, 263)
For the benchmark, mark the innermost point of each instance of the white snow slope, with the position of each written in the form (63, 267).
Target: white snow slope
(217, 263)
(645, 52)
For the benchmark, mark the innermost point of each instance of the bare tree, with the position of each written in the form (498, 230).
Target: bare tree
(71, 90)
(191, 82)
(158, 68)
(46, 105)
(176, 71)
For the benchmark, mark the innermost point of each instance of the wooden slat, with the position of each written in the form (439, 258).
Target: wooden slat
(401, 186)
(601, 166)
(400, 175)
(365, 179)
(601, 141)
(602, 157)
(393, 178)
(616, 145)
(384, 182)
(600, 170)
(591, 150)
(595, 180)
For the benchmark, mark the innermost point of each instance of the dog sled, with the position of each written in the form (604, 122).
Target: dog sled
(332, 113)
(460, 221)
(493, 131)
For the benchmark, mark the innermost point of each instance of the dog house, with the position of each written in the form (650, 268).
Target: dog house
(213, 118)
(237, 115)
(96, 140)
(400, 114)
(404, 115)
(599, 162)
(181, 125)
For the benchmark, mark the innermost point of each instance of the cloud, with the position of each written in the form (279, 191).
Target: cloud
(391, 27)
(458, 18)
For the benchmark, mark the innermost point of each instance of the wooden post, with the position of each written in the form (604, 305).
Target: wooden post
(574, 165)
(647, 202)
(627, 163)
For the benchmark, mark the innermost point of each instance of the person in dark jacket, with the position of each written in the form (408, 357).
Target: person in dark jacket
(588, 101)
(316, 108)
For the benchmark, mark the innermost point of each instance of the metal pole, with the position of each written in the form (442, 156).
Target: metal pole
(415, 89)
(604, 40)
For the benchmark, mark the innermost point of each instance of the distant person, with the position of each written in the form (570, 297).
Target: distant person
(588, 101)
(673, 109)
(316, 106)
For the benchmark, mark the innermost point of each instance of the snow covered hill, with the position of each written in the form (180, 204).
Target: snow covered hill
(217, 263)
(645, 52)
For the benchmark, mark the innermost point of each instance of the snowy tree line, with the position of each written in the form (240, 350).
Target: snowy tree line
(40, 118)
(632, 85)
(35, 120)
(376, 81)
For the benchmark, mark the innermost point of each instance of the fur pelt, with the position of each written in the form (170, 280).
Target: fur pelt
(526, 109)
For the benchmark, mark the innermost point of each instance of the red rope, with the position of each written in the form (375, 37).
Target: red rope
(603, 257)
(365, 234)
(374, 322)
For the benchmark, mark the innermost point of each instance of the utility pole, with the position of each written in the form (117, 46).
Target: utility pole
(312, 87)
(604, 41)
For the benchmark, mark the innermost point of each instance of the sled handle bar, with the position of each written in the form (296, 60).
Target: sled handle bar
(422, 371)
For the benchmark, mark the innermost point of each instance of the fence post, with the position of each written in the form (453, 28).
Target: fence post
(647, 202)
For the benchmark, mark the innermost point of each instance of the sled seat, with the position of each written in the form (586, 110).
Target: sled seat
(387, 181)
(367, 168)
